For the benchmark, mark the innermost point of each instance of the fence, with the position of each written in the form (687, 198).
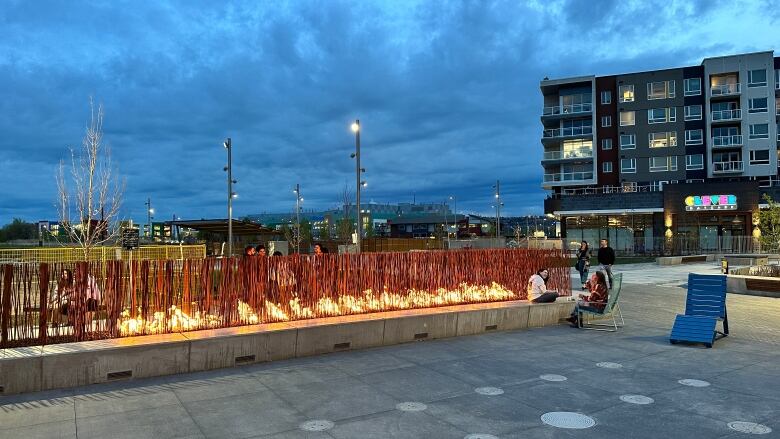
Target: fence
(74, 254)
(122, 298)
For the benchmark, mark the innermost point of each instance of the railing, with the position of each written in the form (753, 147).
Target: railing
(727, 167)
(567, 109)
(724, 115)
(567, 176)
(725, 89)
(562, 155)
(611, 190)
(74, 254)
(567, 132)
(674, 246)
(726, 141)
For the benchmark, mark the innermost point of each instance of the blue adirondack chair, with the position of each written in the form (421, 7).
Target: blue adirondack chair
(704, 306)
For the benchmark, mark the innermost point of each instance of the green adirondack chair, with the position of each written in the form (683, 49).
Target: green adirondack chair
(612, 309)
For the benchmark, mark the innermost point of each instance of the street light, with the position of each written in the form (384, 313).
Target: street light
(498, 208)
(298, 200)
(229, 169)
(358, 170)
(455, 210)
(149, 213)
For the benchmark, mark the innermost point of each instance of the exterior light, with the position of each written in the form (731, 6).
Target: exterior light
(355, 127)
(151, 210)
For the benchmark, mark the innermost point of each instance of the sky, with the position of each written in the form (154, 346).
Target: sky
(447, 93)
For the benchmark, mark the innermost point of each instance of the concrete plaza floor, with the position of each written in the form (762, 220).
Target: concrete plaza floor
(357, 394)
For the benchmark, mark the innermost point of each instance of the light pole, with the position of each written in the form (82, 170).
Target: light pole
(149, 212)
(358, 170)
(498, 208)
(455, 212)
(298, 200)
(229, 169)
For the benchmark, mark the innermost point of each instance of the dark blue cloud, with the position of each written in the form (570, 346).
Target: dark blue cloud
(447, 93)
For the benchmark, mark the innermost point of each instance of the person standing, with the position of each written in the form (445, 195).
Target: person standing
(583, 262)
(606, 257)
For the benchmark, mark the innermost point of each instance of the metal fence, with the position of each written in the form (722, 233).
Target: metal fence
(122, 298)
(75, 254)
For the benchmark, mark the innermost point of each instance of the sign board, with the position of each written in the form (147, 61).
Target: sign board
(129, 238)
(710, 202)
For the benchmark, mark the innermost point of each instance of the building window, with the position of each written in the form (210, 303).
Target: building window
(777, 78)
(693, 112)
(626, 93)
(628, 166)
(694, 137)
(660, 90)
(627, 118)
(659, 164)
(692, 86)
(606, 167)
(662, 140)
(606, 121)
(759, 157)
(606, 97)
(759, 131)
(661, 115)
(606, 144)
(757, 105)
(757, 78)
(694, 162)
(628, 141)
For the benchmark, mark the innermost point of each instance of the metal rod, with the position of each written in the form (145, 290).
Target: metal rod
(229, 147)
(357, 193)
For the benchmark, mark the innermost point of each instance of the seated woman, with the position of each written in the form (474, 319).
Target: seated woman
(595, 301)
(537, 288)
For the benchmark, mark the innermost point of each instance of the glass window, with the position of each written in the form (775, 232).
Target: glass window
(606, 97)
(659, 164)
(694, 162)
(606, 121)
(759, 131)
(692, 86)
(757, 105)
(627, 118)
(662, 140)
(628, 141)
(606, 167)
(660, 90)
(606, 144)
(694, 137)
(759, 157)
(626, 93)
(777, 78)
(661, 115)
(628, 166)
(757, 78)
(693, 112)
(673, 163)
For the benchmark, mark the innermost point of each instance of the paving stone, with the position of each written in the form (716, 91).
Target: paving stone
(159, 422)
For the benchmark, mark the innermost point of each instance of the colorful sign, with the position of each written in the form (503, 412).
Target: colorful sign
(711, 202)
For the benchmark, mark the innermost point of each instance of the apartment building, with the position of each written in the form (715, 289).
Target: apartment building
(639, 156)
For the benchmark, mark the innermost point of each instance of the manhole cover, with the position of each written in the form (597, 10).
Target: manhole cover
(480, 436)
(749, 427)
(316, 425)
(609, 365)
(637, 399)
(694, 383)
(490, 391)
(411, 406)
(552, 377)
(568, 420)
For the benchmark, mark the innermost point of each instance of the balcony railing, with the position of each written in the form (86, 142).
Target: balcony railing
(724, 115)
(563, 155)
(568, 176)
(725, 90)
(567, 109)
(727, 141)
(727, 167)
(567, 132)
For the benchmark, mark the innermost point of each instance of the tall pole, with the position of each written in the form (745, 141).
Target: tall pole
(498, 209)
(455, 209)
(229, 147)
(446, 225)
(298, 217)
(149, 216)
(356, 129)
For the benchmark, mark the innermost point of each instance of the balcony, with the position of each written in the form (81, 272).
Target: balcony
(567, 132)
(567, 177)
(568, 155)
(727, 167)
(726, 115)
(566, 110)
(725, 90)
(734, 141)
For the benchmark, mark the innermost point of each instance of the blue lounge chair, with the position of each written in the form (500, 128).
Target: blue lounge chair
(704, 306)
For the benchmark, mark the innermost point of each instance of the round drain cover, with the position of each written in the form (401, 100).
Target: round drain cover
(490, 391)
(480, 436)
(749, 427)
(316, 425)
(411, 406)
(694, 383)
(552, 377)
(609, 365)
(637, 399)
(568, 420)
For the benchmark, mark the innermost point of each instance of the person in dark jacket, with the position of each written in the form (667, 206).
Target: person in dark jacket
(583, 262)
(606, 257)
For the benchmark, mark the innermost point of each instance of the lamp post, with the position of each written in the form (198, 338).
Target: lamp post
(356, 155)
(149, 212)
(498, 208)
(229, 169)
(455, 213)
(298, 200)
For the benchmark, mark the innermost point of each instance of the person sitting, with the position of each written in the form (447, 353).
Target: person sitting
(260, 250)
(595, 301)
(537, 288)
(249, 250)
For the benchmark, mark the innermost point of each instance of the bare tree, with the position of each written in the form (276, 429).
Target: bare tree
(90, 192)
(344, 227)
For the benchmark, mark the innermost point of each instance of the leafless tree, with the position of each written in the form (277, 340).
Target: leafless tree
(90, 192)
(344, 227)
